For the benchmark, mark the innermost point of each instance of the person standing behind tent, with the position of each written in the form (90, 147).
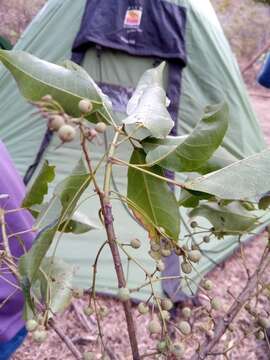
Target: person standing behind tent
(12, 191)
(264, 76)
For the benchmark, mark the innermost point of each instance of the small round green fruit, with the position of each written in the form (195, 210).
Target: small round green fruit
(264, 322)
(85, 106)
(101, 127)
(135, 243)
(162, 346)
(184, 327)
(40, 335)
(186, 311)
(166, 304)
(207, 285)
(56, 122)
(66, 133)
(194, 256)
(216, 304)
(123, 294)
(154, 327)
(88, 310)
(186, 268)
(178, 350)
(193, 224)
(260, 335)
(160, 265)
(166, 252)
(31, 325)
(143, 308)
(89, 355)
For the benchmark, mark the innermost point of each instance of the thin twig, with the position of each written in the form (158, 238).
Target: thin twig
(66, 340)
(223, 323)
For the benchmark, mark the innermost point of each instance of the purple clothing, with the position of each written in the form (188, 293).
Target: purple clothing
(11, 185)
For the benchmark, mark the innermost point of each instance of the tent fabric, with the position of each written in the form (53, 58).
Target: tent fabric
(264, 75)
(12, 192)
(210, 76)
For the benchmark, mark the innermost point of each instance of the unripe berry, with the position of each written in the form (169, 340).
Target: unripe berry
(88, 310)
(184, 327)
(56, 122)
(194, 256)
(103, 311)
(216, 304)
(193, 224)
(165, 315)
(77, 293)
(123, 294)
(135, 243)
(186, 267)
(155, 255)
(177, 349)
(66, 133)
(154, 327)
(143, 308)
(154, 246)
(101, 127)
(166, 252)
(89, 356)
(207, 285)
(39, 335)
(31, 325)
(162, 346)
(85, 106)
(160, 265)
(47, 98)
(105, 357)
(260, 335)
(264, 322)
(166, 304)
(186, 311)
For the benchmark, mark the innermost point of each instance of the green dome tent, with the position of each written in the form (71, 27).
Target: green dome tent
(210, 75)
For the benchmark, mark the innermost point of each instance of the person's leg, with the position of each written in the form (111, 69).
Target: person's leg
(9, 347)
(12, 192)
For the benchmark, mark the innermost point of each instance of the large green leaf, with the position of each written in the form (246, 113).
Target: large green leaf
(153, 196)
(39, 188)
(59, 277)
(241, 180)
(67, 193)
(36, 78)
(148, 105)
(189, 153)
(230, 219)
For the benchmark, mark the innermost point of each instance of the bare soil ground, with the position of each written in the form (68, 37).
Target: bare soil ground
(14, 16)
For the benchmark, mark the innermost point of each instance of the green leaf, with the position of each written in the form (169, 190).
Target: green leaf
(39, 189)
(36, 78)
(106, 110)
(29, 305)
(189, 153)
(59, 277)
(78, 224)
(67, 194)
(191, 199)
(148, 105)
(241, 180)
(153, 196)
(230, 219)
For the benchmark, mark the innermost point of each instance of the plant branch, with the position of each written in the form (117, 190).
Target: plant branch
(106, 209)
(66, 340)
(223, 323)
